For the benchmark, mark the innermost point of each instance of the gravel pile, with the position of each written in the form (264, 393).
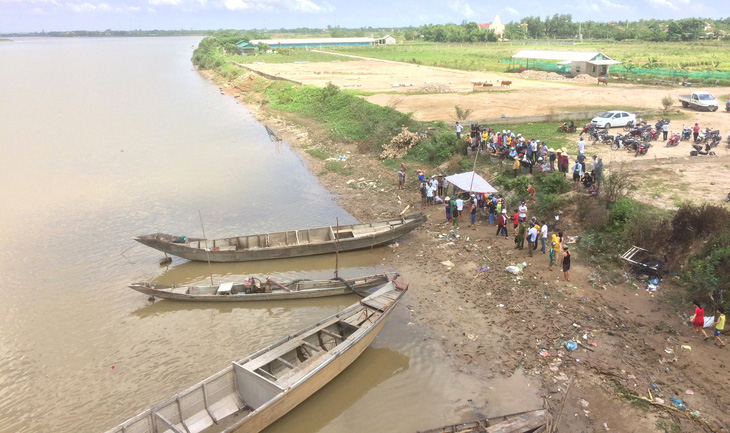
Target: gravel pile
(433, 88)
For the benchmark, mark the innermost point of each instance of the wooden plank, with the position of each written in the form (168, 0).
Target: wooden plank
(207, 404)
(296, 234)
(311, 346)
(332, 334)
(167, 422)
(285, 362)
(182, 417)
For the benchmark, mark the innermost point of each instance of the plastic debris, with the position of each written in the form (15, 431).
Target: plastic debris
(677, 403)
(482, 269)
(514, 270)
(544, 353)
(571, 345)
(448, 263)
(686, 347)
(689, 392)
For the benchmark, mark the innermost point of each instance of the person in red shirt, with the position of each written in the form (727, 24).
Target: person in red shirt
(698, 321)
(696, 131)
(516, 220)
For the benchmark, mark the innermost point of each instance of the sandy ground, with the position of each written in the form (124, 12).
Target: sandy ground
(491, 323)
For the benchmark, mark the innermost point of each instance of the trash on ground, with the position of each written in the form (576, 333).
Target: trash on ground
(571, 345)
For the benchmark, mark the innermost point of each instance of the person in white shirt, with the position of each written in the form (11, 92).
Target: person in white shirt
(458, 131)
(543, 236)
(522, 211)
(577, 172)
(459, 205)
(665, 130)
(581, 145)
(531, 238)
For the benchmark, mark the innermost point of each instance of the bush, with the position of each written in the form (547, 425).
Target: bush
(437, 148)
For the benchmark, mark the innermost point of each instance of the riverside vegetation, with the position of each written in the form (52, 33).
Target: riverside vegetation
(694, 240)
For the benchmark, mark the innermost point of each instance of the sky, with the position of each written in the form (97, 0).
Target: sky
(65, 15)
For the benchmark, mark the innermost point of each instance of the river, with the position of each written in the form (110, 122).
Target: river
(102, 139)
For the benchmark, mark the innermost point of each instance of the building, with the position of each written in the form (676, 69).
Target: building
(324, 42)
(593, 63)
(246, 48)
(496, 26)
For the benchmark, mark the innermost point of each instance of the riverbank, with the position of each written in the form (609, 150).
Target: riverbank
(492, 324)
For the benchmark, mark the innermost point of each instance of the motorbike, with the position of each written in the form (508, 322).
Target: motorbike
(727, 106)
(686, 133)
(673, 140)
(565, 127)
(604, 138)
(706, 135)
(642, 148)
(623, 142)
(714, 140)
(650, 134)
(588, 128)
(639, 130)
(700, 151)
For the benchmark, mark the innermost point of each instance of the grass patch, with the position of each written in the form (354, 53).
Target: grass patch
(290, 55)
(338, 167)
(489, 56)
(318, 153)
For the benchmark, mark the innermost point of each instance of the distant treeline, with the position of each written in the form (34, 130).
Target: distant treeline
(559, 26)
(114, 33)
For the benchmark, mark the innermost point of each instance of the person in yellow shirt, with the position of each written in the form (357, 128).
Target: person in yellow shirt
(516, 166)
(556, 241)
(720, 326)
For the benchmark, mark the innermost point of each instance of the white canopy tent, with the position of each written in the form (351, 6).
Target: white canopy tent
(471, 181)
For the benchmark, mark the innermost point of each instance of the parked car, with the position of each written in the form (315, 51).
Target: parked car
(699, 101)
(613, 118)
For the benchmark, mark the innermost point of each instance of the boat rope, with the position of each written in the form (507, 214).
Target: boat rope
(350, 286)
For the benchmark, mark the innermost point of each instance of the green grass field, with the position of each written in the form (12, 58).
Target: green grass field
(487, 56)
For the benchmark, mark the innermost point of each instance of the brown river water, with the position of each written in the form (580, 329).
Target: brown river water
(104, 139)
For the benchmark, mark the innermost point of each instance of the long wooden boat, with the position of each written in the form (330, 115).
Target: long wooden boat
(534, 421)
(253, 289)
(294, 243)
(254, 392)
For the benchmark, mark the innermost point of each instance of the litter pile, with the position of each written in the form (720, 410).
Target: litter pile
(584, 78)
(433, 88)
(542, 75)
(400, 144)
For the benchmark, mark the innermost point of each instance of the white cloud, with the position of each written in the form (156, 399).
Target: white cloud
(165, 2)
(81, 7)
(463, 9)
(612, 5)
(513, 11)
(306, 6)
(664, 4)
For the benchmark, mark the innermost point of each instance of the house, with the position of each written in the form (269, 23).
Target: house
(322, 42)
(385, 40)
(496, 26)
(246, 48)
(593, 63)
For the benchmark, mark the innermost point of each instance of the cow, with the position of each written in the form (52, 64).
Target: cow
(602, 80)
(505, 83)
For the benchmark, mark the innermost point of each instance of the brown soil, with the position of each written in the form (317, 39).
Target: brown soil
(492, 323)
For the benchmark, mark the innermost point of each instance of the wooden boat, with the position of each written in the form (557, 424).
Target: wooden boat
(534, 421)
(253, 289)
(294, 243)
(254, 392)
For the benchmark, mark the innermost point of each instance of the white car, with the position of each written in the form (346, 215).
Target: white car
(613, 118)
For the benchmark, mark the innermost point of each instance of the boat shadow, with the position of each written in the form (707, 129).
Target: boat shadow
(373, 367)
(351, 264)
(273, 308)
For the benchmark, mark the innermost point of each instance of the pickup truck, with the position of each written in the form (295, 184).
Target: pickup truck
(699, 101)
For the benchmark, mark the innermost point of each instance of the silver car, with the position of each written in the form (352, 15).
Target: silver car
(613, 118)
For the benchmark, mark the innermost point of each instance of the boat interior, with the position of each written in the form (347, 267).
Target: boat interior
(249, 384)
(296, 237)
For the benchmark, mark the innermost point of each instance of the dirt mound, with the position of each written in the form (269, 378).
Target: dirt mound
(584, 78)
(542, 75)
(433, 88)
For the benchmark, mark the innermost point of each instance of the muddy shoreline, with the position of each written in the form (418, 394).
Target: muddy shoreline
(492, 324)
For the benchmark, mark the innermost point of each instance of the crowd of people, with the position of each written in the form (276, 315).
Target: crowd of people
(531, 153)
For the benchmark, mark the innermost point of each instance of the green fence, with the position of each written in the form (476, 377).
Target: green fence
(710, 77)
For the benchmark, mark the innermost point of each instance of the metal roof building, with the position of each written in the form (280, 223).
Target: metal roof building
(323, 42)
(592, 63)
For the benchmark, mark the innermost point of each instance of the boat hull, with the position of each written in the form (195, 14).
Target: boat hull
(337, 288)
(206, 250)
(251, 394)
